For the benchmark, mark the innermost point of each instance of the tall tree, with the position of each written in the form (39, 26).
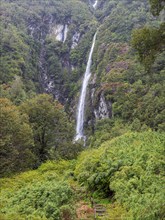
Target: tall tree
(148, 42)
(16, 145)
(51, 127)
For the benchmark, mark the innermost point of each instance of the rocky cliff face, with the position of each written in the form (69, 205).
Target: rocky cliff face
(59, 33)
(103, 109)
(68, 34)
(63, 31)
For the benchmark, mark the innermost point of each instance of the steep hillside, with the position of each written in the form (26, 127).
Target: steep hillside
(115, 168)
(40, 43)
(123, 175)
(122, 88)
(47, 45)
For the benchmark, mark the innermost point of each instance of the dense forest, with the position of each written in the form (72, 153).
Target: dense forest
(117, 171)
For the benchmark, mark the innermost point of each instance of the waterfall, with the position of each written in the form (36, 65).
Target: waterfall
(65, 32)
(81, 105)
(95, 4)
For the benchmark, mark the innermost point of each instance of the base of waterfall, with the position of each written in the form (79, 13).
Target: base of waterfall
(80, 138)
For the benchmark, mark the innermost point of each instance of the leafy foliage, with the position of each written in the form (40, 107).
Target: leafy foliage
(16, 146)
(31, 26)
(40, 194)
(131, 168)
(53, 133)
(148, 42)
(37, 130)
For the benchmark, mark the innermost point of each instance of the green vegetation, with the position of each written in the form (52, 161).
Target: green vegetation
(148, 42)
(26, 25)
(129, 170)
(44, 174)
(36, 131)
(40, 194)
(51, 128)
(134, 90)
(17, 143)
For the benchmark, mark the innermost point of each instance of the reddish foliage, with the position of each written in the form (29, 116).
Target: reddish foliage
(84, 211)
(124, 49)
(120, 65)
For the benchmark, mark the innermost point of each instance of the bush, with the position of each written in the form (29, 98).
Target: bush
(129, 167)
(40, 194)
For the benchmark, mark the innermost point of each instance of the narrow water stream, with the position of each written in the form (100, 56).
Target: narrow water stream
(95, 4)
(81, 105)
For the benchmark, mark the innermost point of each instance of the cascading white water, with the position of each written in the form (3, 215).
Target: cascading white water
(95, 4)
(81, 105)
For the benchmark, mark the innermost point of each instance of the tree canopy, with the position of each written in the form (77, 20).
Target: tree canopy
(17, 145)
(51, 127)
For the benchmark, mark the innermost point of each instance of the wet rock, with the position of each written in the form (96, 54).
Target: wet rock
(75, 40)
(104, 109)
(60, 32)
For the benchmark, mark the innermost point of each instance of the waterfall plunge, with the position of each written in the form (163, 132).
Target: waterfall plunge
(81, 105)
